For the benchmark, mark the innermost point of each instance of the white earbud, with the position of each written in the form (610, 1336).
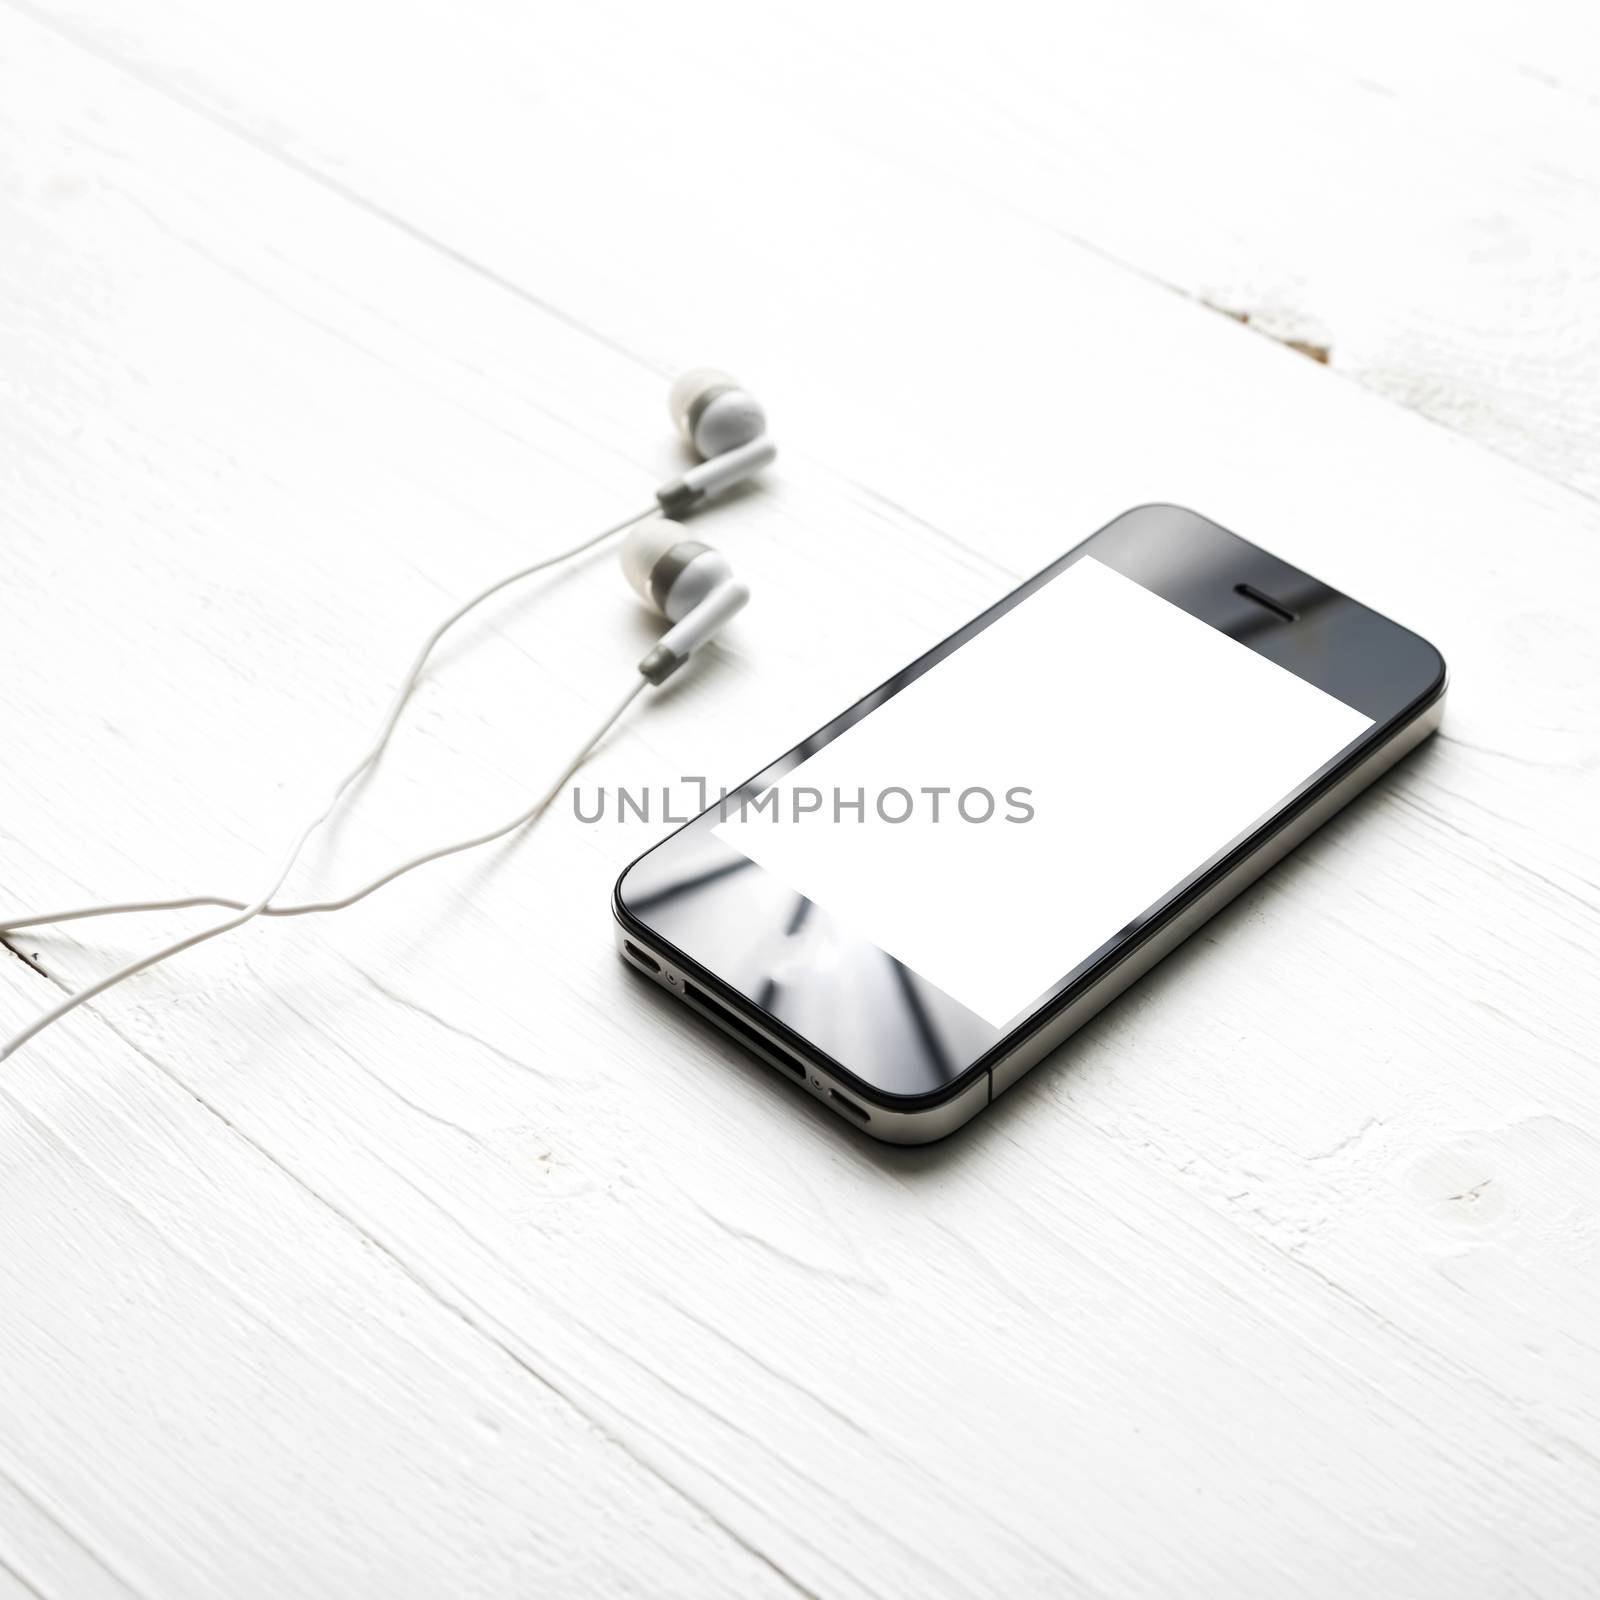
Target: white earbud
(712, 413)
(725, 426)
(688, 582)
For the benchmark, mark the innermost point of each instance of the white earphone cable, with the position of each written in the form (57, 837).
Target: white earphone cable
(34, 919)
(521, 819)
(258, 907)
(255, 908)
(726, 428)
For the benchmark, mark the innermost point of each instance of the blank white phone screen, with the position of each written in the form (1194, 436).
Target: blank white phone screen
(1147, 742)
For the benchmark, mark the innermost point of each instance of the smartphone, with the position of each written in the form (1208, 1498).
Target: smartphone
(917, 904)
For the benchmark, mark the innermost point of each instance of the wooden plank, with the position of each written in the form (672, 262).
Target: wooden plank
(1285, 1273)
(43, 1555)
(217, 1383)
(1417, 204)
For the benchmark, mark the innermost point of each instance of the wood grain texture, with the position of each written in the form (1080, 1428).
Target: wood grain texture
(421, 1250)
(1412, 201)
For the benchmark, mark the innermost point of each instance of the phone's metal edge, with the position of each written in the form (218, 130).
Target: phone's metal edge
(935, 1122)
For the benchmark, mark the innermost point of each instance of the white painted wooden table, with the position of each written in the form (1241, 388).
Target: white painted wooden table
(423, 1252)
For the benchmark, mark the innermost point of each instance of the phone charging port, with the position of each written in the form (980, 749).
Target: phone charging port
(736, 1024)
